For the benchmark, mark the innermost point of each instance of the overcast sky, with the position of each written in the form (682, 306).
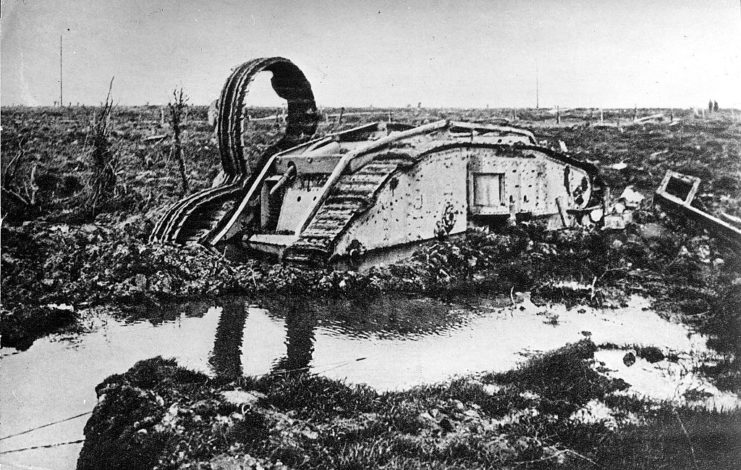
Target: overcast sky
(357, 53)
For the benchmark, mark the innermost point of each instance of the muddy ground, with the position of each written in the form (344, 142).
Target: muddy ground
(545, 414)
(60, 256)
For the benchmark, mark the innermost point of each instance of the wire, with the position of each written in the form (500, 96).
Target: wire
(342, 364)
(45, 426)
(45, 446)
(317, 369)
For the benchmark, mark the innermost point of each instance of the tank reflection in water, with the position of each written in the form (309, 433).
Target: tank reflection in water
(56, 377)
(280, 335)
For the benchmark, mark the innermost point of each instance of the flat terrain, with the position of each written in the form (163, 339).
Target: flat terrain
(58, 249)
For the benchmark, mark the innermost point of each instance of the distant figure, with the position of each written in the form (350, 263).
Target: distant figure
(715, 106)
(710, 106)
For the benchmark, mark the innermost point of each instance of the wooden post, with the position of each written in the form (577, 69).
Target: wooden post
(562, 212)
(601, 116)
(537, 87)
(61, 101)
(558, 115)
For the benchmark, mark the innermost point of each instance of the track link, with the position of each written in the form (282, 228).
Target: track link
(194, 217)
(352, 196)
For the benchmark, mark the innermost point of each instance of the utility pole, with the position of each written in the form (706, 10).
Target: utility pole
(537, 87)
(61, 100)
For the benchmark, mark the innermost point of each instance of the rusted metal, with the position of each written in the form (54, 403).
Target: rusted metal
(678, 191)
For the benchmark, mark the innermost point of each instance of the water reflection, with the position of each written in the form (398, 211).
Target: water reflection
(300, 325)
(383, 317)
(226, 357)
(299, 319)
(404, 342)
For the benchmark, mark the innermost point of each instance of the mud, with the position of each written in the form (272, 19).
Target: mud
(390, 343)
(554, 411)
(99, 264)
(54, 254)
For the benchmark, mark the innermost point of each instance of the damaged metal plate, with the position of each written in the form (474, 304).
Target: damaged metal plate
(678, 191)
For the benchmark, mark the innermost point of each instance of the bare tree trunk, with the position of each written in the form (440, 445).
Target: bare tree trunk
(102, 182)
(177, 113)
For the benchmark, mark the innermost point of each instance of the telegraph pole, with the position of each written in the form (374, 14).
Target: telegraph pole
(537, 87)
(61, 100)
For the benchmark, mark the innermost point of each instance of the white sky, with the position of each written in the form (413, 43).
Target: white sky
(357, 53)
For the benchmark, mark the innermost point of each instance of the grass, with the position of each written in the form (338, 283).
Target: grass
(525, 421)
(712, 436)
(63, 255)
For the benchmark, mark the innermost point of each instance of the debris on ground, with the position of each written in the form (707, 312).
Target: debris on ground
(678, 191)
(620, 212)
(631, 198)
(55, 255)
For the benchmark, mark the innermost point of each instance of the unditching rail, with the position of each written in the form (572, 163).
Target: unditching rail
(678, 191)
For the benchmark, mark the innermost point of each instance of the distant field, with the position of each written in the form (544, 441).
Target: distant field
(55, 141)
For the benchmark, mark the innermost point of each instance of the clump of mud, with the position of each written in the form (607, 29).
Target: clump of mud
(553, 411)
(110, 263)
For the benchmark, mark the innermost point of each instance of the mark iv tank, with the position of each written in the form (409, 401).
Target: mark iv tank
(355, 196)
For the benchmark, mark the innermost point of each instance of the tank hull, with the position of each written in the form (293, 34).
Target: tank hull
(369, 192)
(390, 192)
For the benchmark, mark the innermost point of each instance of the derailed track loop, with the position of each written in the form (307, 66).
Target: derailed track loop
(190, 219)
(290, 83)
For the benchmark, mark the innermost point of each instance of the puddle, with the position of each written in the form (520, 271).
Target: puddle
(672, 381)
(387, 343)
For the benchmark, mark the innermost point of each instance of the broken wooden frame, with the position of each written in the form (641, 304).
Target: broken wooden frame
(679, 191)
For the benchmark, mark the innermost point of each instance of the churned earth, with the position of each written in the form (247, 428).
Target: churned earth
(60, 258)
(554, 411)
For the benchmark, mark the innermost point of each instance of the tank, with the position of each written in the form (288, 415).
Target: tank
(373, 193)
